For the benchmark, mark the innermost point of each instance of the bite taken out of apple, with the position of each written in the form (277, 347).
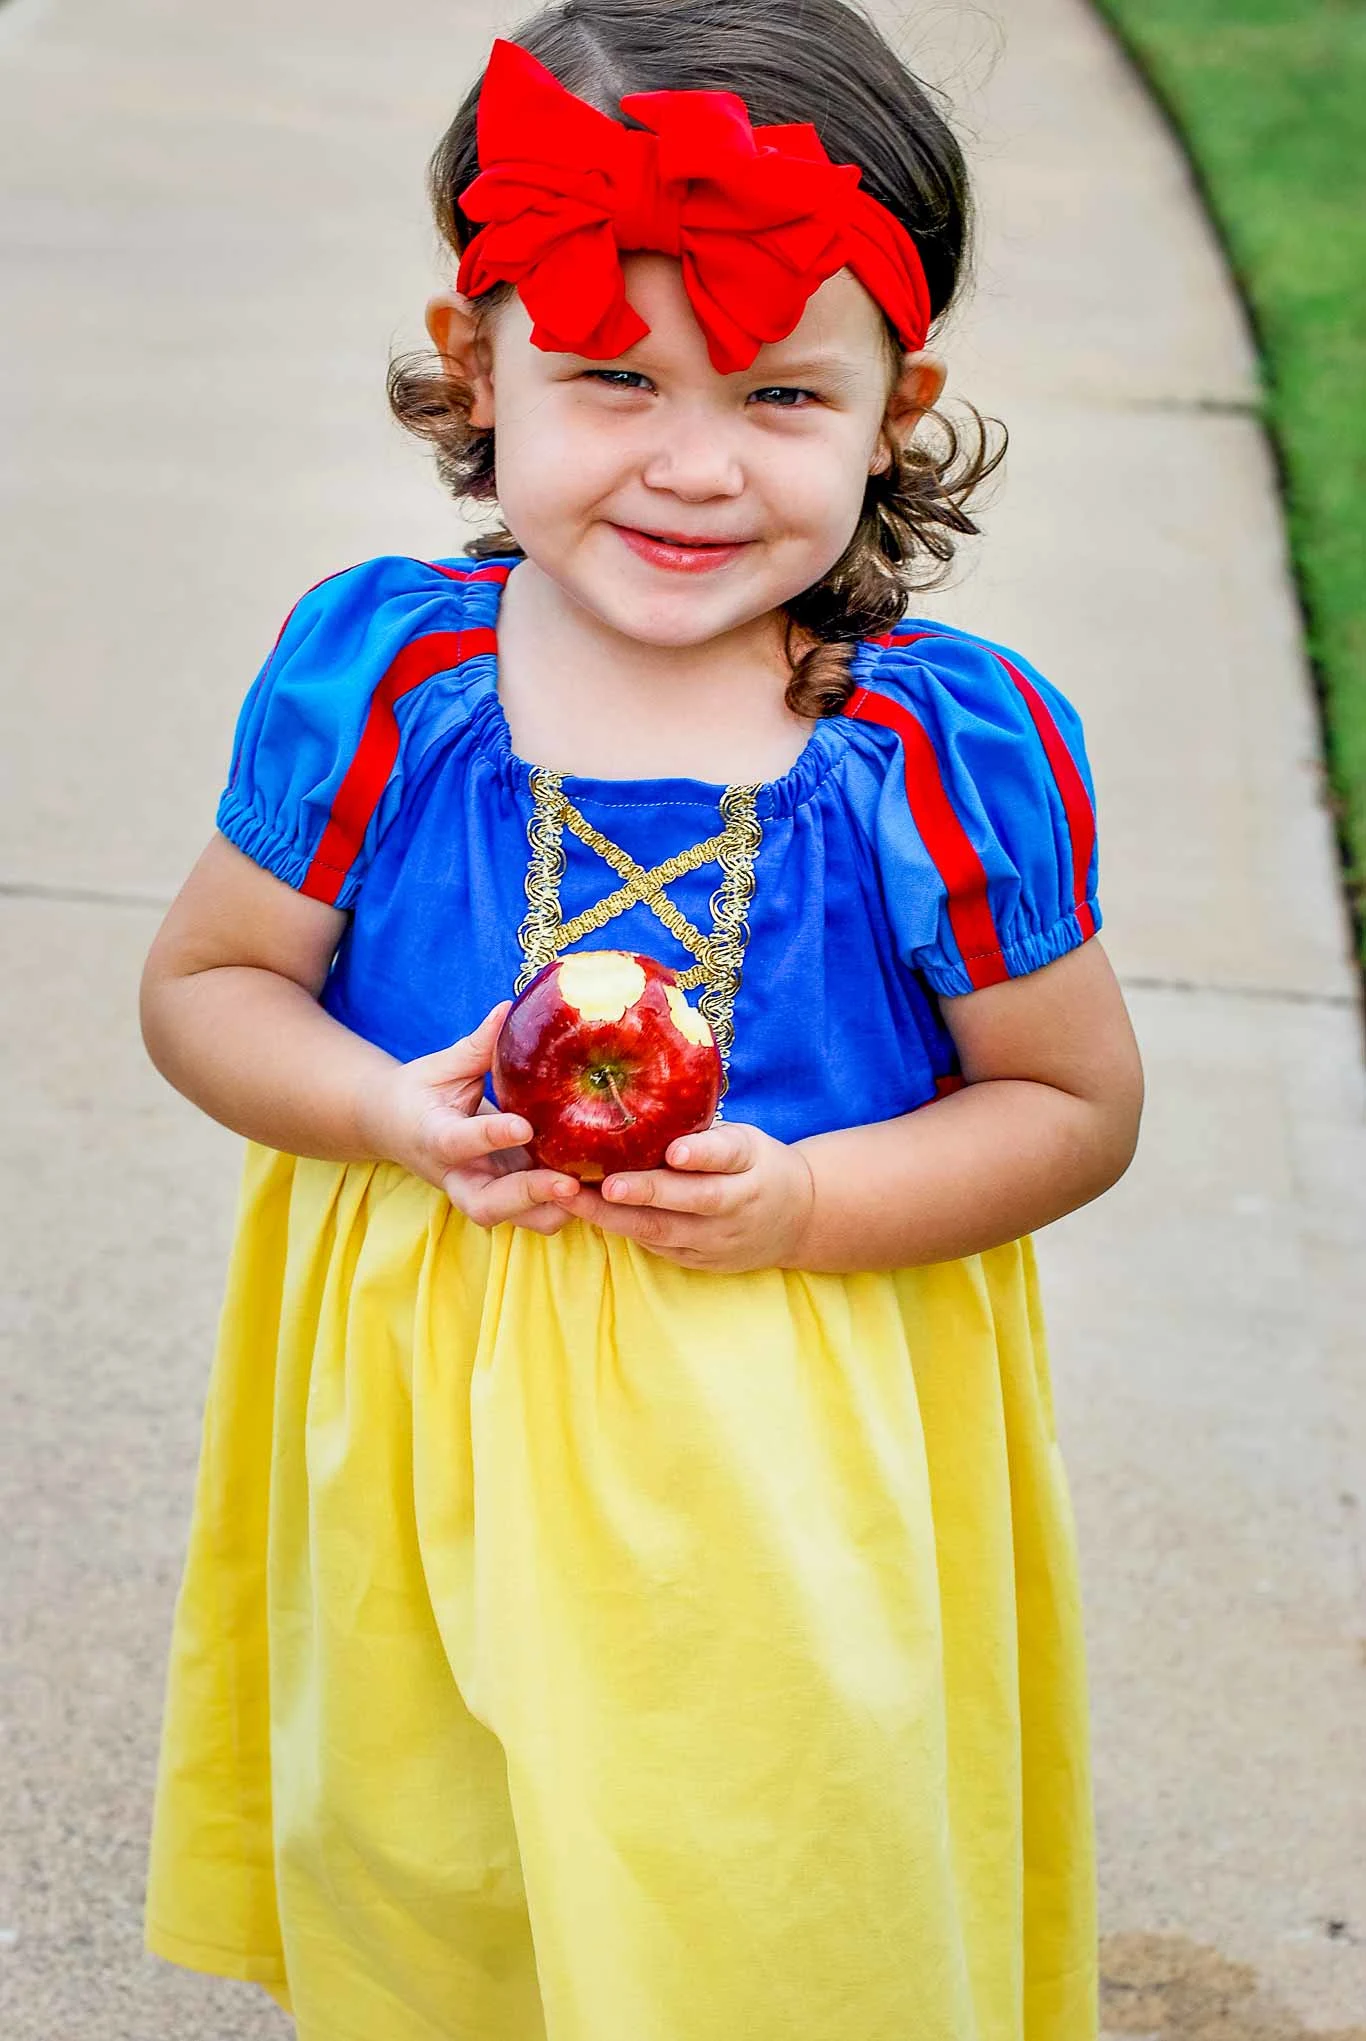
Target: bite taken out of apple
(608, 1063)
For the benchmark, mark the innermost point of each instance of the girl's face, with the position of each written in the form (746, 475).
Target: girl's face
(771, 461)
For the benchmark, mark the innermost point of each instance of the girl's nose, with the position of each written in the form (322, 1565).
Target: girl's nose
(694, 459)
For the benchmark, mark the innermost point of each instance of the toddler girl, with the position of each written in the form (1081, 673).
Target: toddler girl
(648, 1611)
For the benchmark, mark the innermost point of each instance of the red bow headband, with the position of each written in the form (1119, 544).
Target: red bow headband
(759, 217)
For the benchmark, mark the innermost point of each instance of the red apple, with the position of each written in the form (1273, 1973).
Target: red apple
(605, 1058)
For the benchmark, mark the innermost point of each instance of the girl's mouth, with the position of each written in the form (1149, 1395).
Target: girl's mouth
(679, 555)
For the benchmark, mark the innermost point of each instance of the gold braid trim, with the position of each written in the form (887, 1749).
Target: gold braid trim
(640, 885)
(730, 905)
(544, 935)
(539, 934)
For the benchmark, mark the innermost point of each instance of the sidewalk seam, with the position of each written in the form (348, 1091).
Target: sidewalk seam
(1289, 994)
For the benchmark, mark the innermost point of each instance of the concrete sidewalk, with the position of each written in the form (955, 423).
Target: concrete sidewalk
(214, 227)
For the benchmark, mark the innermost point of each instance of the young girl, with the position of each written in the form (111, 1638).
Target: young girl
(649, 1612)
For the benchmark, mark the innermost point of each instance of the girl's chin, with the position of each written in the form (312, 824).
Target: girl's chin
(676, 619)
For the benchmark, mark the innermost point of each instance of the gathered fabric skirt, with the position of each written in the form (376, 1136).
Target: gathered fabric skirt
(574, 1647)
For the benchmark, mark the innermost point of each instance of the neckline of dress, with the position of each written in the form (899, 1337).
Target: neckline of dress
(782, 795)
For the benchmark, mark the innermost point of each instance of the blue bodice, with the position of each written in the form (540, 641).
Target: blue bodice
(936, 838)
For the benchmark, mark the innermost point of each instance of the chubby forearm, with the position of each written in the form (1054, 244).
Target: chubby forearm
(971, 1171)
(256, 1052)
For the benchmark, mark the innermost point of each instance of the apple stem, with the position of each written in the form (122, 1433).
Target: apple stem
(627, 1115)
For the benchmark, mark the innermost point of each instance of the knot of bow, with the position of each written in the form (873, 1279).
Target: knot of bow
(758, 217)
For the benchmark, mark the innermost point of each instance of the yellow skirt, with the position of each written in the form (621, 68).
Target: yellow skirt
(576, 1646)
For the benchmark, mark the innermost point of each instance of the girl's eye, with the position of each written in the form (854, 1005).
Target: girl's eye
(626, 379)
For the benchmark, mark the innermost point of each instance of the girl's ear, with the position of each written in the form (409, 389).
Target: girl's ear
(918, 388)
(459, 337)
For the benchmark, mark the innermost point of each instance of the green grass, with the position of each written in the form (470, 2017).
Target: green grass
(1270, 96)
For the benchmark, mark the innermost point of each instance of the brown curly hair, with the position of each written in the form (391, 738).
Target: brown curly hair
(819, 62)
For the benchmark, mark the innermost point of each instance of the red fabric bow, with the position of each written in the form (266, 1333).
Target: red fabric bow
(758, 217)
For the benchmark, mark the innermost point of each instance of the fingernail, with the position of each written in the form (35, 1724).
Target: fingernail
(616, 1190)
(680, 1157)
(565, 1190)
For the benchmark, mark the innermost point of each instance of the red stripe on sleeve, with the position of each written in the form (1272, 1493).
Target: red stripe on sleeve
(368, 773)
(1081, 816)
(963, 873)
(1081, 819)
(498, 573)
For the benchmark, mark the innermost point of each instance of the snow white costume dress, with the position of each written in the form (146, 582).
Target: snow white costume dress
(572, 1644)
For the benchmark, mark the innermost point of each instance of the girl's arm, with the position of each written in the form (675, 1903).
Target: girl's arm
(230, 1014)
(230, 1017)
(1047, 1121)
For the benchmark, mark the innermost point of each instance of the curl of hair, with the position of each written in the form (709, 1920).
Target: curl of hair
(825, 63)
(904, 541)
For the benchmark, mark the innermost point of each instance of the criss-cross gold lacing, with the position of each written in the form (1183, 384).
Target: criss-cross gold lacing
(720, 956)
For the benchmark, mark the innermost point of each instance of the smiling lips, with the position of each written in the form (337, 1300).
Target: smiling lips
(680, 554)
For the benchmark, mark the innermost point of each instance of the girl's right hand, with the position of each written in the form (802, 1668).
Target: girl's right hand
(431, 1117)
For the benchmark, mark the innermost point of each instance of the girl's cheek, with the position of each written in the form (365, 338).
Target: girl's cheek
(814, 485)
(563, 463)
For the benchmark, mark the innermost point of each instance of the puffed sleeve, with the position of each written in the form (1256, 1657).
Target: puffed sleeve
(985, 829)
(317, 761)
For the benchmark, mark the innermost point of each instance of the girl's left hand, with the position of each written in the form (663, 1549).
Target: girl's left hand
(732, 1198)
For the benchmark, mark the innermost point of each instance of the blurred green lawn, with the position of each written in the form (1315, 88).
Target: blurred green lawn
(1271, 98)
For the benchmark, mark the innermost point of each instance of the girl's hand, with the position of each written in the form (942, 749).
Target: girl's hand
(431, 1117)
(730, 1199)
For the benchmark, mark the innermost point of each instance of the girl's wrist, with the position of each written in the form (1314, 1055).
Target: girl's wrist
(372, 1109)
(803, 1210)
